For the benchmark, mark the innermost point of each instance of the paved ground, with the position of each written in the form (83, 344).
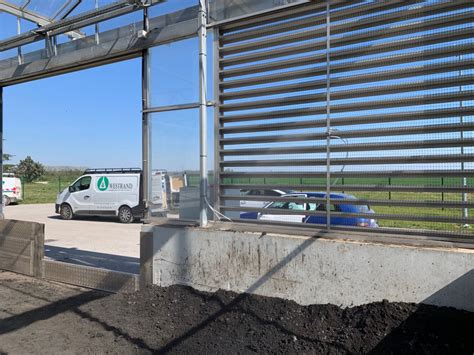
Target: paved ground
(93, 241)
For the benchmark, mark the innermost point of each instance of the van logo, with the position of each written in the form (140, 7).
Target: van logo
(103, 183)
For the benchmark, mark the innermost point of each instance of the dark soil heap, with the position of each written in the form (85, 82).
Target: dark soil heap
(181, 320)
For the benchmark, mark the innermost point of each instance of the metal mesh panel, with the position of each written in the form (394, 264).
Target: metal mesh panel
(21, 246)
(16, 229)
(15, 262)
(90, 277)
(387, 84)
(224, 10)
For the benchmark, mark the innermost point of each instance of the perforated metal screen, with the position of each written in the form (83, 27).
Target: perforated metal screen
(370, 101)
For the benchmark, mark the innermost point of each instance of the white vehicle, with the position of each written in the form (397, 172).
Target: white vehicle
(260, 193)
(159, 198)
(103, 192)
(292, 206)
(11, 189)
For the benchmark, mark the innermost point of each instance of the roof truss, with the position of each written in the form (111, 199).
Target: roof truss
(23, 12)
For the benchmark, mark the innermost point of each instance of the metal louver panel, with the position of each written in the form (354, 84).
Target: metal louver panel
(398, 77)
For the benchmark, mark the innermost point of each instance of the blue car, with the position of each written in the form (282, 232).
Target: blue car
(303, 217)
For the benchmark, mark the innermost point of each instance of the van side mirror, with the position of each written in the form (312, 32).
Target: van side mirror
(71, 189)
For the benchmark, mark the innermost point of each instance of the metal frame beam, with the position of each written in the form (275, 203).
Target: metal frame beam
(32, 17)
(115, 45)
(84, 19)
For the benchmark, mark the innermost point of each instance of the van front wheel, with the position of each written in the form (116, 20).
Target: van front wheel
(66, 212)
(125, 214)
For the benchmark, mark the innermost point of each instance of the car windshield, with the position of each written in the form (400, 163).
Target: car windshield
(363, 208)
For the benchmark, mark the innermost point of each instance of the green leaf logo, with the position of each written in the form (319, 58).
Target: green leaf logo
(103, 183)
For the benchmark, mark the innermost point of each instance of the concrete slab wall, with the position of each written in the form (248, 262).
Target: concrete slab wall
(307, 270)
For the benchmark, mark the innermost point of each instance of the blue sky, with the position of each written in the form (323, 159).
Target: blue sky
(77, 119)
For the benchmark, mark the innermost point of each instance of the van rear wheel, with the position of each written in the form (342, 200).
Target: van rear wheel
(125, 214)
(66, 212)
(6, 200)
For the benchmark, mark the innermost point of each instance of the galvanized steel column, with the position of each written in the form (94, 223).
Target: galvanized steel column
(218, 136)
(146, 121)
(203, 111)
(465, 210)
(328, 115)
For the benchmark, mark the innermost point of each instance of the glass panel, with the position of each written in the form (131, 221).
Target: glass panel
(51, 9)
(17, 2)
(171, 6)
(175, 164)
(174, 72)
(8, 28)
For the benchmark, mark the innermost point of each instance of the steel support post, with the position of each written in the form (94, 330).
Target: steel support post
(97, 39)
(465, 211)
(146, 121)
(2, 215)
(217, 132)
(203, 111)
(328, 115)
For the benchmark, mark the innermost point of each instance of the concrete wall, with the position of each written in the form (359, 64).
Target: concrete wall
(307, 270)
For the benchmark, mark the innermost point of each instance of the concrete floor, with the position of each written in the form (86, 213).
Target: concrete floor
(93, 241)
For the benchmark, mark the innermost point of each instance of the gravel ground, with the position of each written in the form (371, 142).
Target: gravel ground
(44, 317)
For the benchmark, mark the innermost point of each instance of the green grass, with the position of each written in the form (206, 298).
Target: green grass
(46, 188)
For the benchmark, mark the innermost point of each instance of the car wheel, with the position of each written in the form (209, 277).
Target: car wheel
(125, 214)
(6, 200)
(66, 212)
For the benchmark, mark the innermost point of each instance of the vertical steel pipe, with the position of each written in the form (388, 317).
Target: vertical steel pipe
(203, 111)
(18, 30)
(328, 115)
(465, 211)
(146, 121)
(218, 136)
(97, 39)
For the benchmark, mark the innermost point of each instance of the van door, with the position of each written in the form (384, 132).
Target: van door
(81, 197)
(107, 197)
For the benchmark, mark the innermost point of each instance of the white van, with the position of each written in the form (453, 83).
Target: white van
(11, 189)
(159, 198)
(103, 192)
